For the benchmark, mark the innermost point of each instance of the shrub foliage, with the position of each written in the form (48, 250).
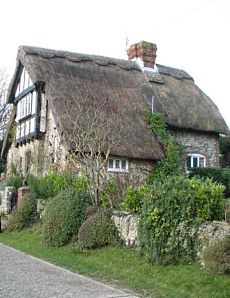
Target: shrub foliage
(51, 184)
(110, 197)
(23, 216)
(171, 208)
(133, 198)
(217, 174)
(97, 231)
(63, 216)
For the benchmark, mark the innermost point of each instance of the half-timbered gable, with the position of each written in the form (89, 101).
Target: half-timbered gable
(31, 105)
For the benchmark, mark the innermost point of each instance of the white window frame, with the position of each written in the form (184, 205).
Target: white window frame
(27, 105)
(117, 165)
(198, 156)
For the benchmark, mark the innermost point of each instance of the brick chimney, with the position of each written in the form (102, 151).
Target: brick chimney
(144, 52)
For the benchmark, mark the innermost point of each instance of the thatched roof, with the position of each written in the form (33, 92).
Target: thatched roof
(122, 82)
(184, 104)
(67, 75)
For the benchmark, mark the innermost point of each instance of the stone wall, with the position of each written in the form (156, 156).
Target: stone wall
(55, 151)
(127, 225)
(27, 157)
(8, 200)
(206, 144)
(137, 174)
(211, 232)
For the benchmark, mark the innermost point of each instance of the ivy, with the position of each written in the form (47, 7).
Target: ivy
(172, 148)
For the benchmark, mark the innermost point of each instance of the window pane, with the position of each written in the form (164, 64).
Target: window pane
(195, 162)
(117, 164)
(27, 129)
(34, 102)
(110, 163)
(22, 129)
(123, 164)
(189, 162)
(201, 162)
(32, 125)
(18, 131)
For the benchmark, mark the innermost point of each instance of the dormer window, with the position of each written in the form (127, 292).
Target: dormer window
(195, 161)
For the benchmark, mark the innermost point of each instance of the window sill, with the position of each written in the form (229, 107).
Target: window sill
(117, 171)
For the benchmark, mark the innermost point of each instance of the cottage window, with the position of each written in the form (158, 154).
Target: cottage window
(27, 106)
(31, 108)
(117, 165)
(196, 161)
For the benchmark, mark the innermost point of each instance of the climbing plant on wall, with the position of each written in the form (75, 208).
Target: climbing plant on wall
(172, 148)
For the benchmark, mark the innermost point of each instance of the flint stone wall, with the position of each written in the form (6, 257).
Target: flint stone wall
(127, 225)
(206, 144)
(8, 199)
(212, 232)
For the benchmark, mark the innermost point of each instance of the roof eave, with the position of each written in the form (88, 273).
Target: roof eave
(13, 84)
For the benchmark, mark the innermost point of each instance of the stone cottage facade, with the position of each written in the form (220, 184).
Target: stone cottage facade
(45, 79)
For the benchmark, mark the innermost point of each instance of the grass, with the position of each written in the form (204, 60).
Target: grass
(125, 268)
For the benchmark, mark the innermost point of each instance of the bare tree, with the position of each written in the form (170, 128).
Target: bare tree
(95, 128)
(4, 107)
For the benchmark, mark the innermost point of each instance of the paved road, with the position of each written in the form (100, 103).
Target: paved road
(24, 276)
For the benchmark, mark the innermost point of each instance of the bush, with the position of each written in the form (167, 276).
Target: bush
(208, 198)
(133, 198)
(51, 184)
(15, 181)
(217, 174)
(23, 216)
(63, 216)
(110, 195)
(216, 257)
(47, 186)
(97, 231)
(171, 208)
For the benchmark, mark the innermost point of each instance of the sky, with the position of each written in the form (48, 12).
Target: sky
(192, 35)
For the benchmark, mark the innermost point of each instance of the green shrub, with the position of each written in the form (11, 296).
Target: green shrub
(23, 216)
(110, 197)
(15, 181)
(216, 257)
(133, 198)
(171, 208)
(63, 216)
(172, 148)
(97, 231)
(208, 198)
(51, 184)
(47, 186)
(217, 174)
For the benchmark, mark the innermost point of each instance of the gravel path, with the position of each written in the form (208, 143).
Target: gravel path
(25, 276)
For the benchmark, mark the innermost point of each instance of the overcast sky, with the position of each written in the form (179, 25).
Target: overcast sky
(192, 35)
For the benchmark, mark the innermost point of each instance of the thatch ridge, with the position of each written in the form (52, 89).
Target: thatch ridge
(77, 57)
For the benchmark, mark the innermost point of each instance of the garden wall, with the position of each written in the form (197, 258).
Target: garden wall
(127, 225)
